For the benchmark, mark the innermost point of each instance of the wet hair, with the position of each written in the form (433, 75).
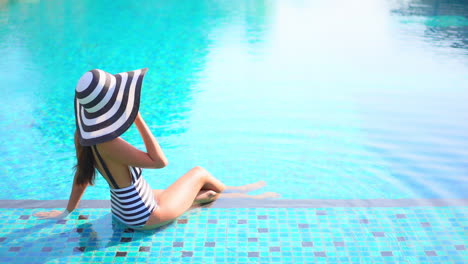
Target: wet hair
(85, 168)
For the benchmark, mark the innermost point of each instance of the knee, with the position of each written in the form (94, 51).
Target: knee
(199, 171)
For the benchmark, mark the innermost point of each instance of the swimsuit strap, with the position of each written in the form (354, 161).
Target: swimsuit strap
(106, 169)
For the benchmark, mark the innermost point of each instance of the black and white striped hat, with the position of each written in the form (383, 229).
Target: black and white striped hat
(106, 105)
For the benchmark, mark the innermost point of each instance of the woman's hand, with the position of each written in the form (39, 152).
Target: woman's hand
(52, 214)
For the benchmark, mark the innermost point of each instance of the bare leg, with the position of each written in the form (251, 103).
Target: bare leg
(203, 196)
(207, 195)
(244, 195)
(246, 188)
(179, 197)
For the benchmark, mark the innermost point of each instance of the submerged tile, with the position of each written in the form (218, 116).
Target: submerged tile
(378, 234)
(253, 254)
(144, 249)
(14, 249)
(178, 244)
(182, 221)
(287, 235)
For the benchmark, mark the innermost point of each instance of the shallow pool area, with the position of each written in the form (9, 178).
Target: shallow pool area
(294, 233)
(353, 111)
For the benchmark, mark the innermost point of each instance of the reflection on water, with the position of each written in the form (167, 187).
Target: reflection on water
(446, 21)
(54, 48)
(332, 98)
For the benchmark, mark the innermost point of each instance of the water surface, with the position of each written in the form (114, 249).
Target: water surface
(322, 99)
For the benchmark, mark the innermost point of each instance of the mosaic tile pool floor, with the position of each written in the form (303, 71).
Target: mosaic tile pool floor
(243, 235)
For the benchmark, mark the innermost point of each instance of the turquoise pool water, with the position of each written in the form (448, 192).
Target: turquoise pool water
(321, 99)
(354, 111)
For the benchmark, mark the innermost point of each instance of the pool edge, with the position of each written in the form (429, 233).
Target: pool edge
(253, 203)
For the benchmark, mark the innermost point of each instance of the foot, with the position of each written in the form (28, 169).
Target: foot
(205, 196)
(266, 195)
(247, 187)
(244, 195)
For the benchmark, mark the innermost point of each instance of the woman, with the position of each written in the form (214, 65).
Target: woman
(105, 107)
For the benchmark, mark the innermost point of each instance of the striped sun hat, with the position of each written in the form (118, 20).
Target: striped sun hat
(106, 105)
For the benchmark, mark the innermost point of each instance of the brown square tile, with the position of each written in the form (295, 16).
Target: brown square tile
(46, 249)
(253, 254)
(460, 247)
(144, 249)
(378, 234)
(275, 249)
(14, 249)
(425, 224)
(307, 244)
(182, 221)
(210, 244)
(79, 249)
(178, 244)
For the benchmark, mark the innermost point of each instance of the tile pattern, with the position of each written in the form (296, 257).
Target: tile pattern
(243, 235)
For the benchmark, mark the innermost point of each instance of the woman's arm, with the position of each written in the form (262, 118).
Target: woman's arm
(75, 197)
(124, 153)
(76, 194)
(151, 144)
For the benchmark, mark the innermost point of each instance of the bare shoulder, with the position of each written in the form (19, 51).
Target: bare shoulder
(116, 148)
(114, 145)
(123, 152)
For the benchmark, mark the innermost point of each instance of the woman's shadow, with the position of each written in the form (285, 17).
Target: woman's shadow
(60, 243)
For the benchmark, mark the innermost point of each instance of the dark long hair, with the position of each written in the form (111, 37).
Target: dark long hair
(85, 169)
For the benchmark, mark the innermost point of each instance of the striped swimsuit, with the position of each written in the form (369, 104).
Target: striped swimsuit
(134, 204)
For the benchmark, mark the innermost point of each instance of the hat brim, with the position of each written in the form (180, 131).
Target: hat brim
(117, 116)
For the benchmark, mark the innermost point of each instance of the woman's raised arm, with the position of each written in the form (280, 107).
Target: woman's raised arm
(124, 153)
(151, 144)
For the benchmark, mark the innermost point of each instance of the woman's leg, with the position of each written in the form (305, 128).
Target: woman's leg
(208, 196)
(179, 197)
(245, 188)
(203, 196)
(244, 195)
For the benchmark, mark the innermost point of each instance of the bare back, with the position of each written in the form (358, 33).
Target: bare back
(119, 171)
